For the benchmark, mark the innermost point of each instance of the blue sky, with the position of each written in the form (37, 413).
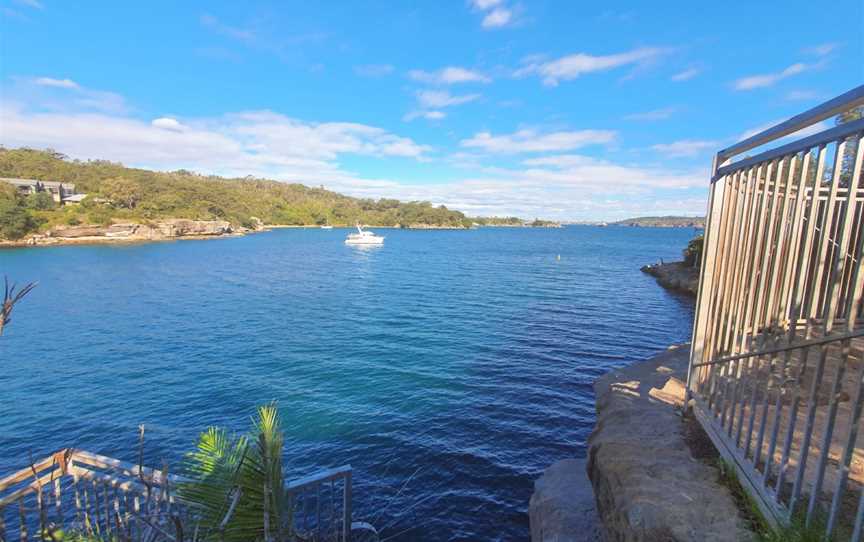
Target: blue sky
(567, 110)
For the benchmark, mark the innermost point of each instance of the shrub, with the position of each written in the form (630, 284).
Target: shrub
(40, 201)
(15, 220)
(693, 252)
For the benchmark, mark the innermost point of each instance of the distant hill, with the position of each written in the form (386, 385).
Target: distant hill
(117, 193)
(663, 222)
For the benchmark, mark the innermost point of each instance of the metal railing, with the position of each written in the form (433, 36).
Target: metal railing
(91, 493)
(777, 368)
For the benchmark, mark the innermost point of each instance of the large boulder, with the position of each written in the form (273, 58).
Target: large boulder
(562, 506)
(647, 482)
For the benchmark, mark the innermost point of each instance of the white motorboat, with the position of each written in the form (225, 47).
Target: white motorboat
(363, 237)
(326, 227)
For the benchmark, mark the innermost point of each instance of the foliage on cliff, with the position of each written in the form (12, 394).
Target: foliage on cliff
(664, 222)
(693, 252)
(132, 194)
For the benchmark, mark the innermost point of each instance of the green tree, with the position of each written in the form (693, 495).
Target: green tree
(15, 220)
(40, 201)
(122, 192)
(847, 163)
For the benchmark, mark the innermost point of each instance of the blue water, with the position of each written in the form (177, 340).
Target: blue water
(463, 358)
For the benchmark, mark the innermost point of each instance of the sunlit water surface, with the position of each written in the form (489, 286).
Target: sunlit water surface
(460, 362)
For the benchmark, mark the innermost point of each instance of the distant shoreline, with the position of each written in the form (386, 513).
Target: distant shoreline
(55, 238)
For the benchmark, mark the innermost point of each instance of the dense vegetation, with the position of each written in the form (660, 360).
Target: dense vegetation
(120, 193)
(664, 222)
(512, 221)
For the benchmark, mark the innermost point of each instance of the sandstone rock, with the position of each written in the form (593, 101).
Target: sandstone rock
(562, 506)
(675, 276)
(72, 232)
(648, 485)
(163, 229)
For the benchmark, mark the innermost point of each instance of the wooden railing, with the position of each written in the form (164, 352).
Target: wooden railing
(777, 367)
(116, 500)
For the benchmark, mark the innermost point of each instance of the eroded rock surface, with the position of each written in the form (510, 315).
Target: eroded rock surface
(647, 484)
(162, 229)
(562, 506)
(675, 276)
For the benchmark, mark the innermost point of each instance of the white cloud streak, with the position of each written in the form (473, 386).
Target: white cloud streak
(273, 145)
(685, 148)
(769, 79)
(572, 66)
(450, 75)
(686, 75)
(656, 114)
(57, 83)
(530, 141)
(497, 18)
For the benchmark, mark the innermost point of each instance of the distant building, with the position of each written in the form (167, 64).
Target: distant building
(63, 193)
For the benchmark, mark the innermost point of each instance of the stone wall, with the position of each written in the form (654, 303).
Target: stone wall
(647, 483)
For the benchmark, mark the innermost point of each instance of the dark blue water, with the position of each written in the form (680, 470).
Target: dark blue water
(461, 358)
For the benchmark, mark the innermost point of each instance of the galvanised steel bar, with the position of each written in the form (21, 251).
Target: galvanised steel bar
(828, 316)
(831, 302)
(740, 280)
(722, 288)
(762, 318)
(840, 260)
(742, 291)
(803, 250)
(751, 321)
(784, 234)
(773, 269)
(714, 298)
(733, 280)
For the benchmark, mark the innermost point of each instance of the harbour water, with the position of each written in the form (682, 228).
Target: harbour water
(447, 367)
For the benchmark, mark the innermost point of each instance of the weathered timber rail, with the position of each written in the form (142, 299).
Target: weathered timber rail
(79, 490)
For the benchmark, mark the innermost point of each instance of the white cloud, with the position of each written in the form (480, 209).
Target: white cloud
(435, 99)
(821, 49)
(686, 147)
(428, 115)
(373, 70)
(656, 114)
(496, 14)
(273, 145)
(449, 76)
(686, 75)
(572, 66)
(63, 94)
(485, 4)
(525, 141)
(497, 18)
(57, 83)
(769, 79)
(167, 123)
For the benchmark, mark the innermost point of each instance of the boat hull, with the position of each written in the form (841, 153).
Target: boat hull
(373, 242)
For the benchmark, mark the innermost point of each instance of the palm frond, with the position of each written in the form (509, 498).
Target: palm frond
(236, 483)
(10, 298)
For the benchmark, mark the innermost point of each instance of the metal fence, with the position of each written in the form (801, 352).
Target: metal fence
(777, 368)
(81, 491)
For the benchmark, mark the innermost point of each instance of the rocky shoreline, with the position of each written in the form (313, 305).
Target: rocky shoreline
(652, 472)
(675, 276)
(175, 229)
(132, 232)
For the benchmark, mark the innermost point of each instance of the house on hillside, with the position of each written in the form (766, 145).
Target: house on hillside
(63, 193)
